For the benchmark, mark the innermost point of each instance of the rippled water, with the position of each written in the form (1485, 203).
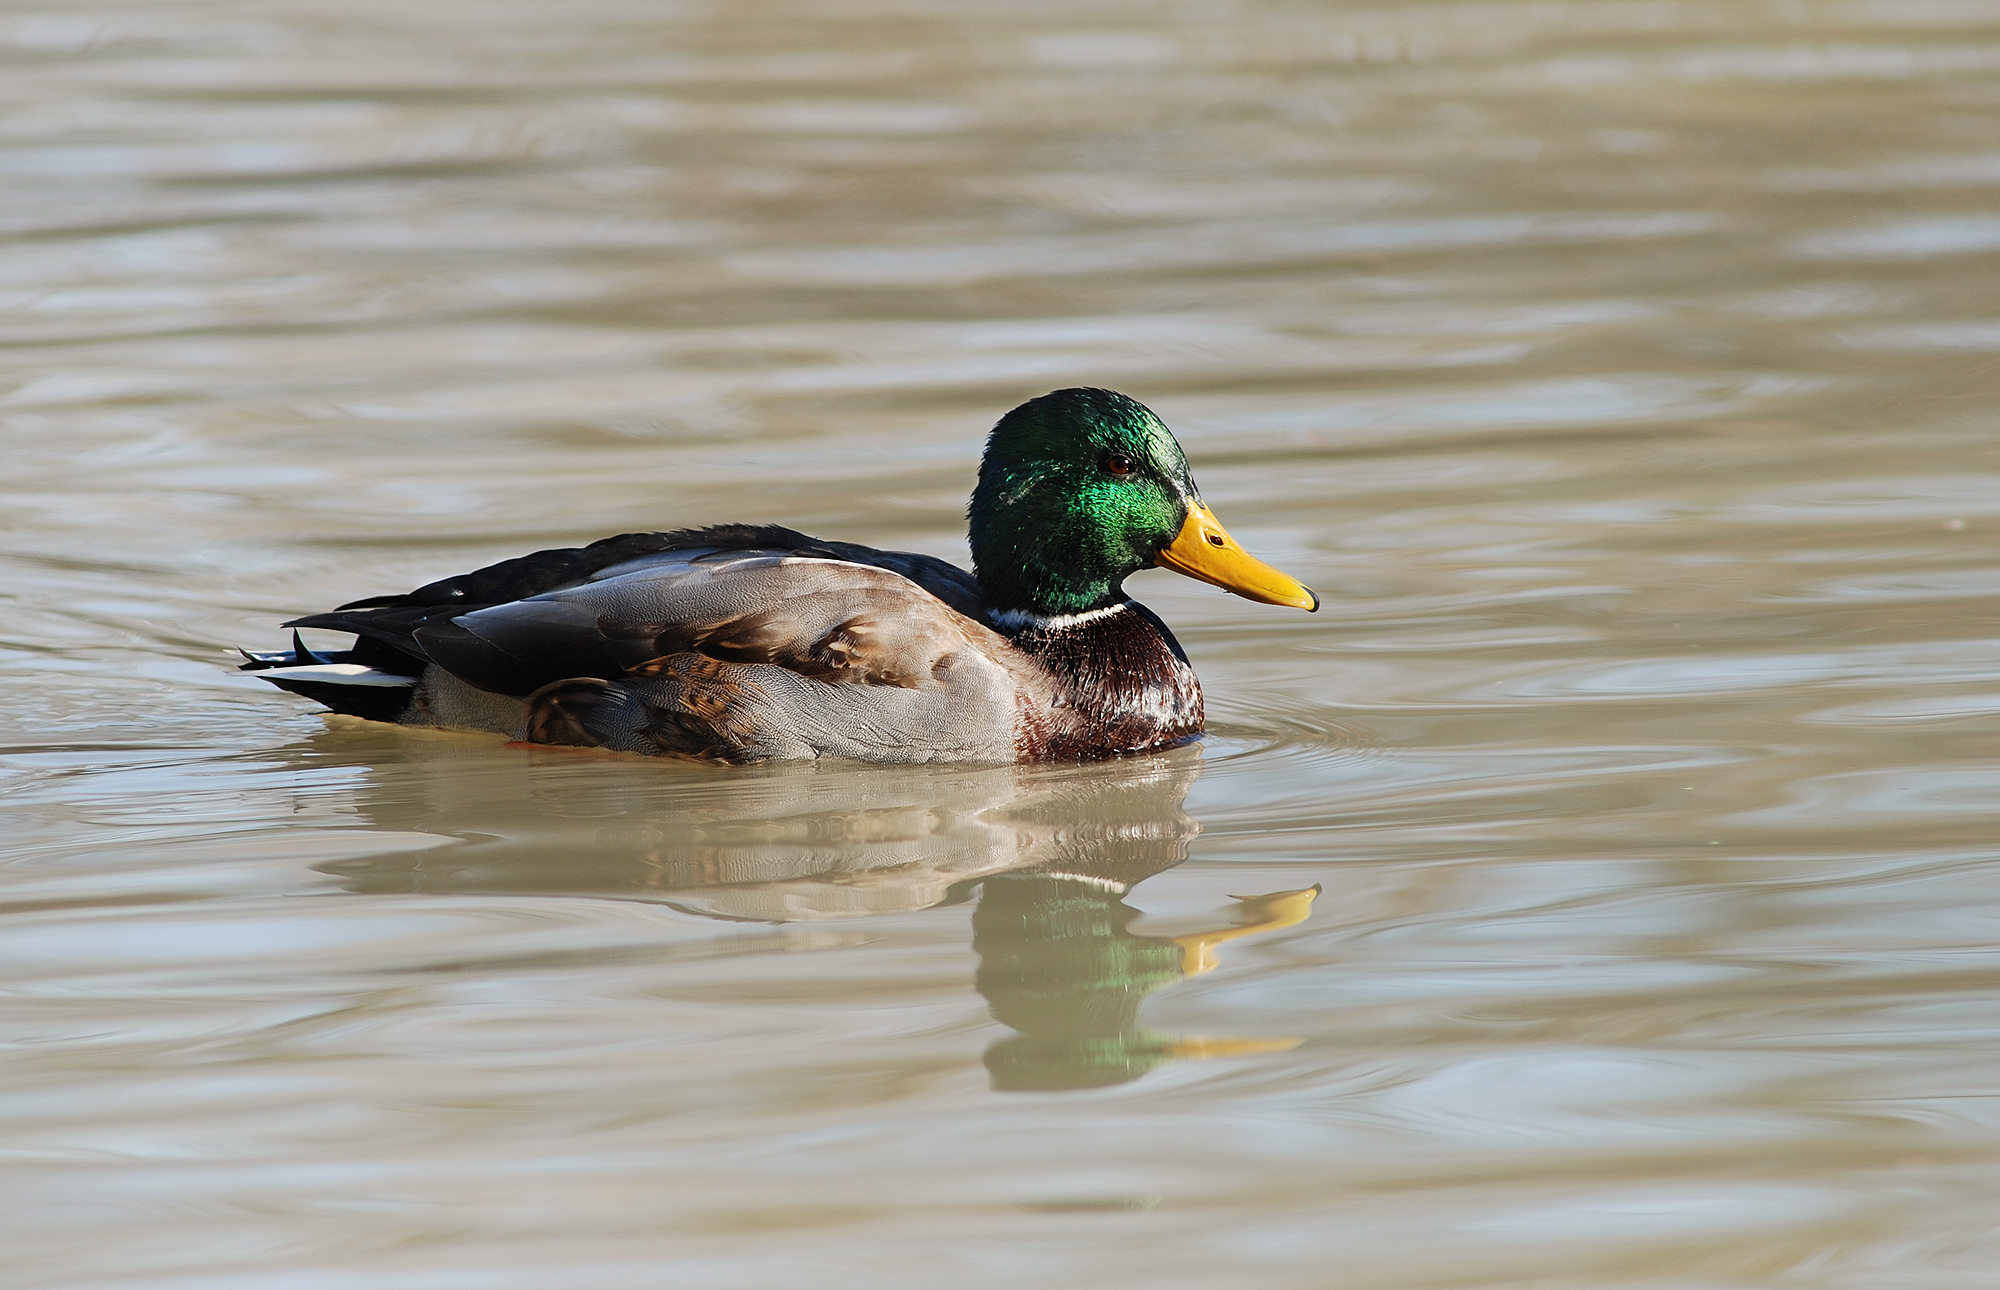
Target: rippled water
(1626, 375)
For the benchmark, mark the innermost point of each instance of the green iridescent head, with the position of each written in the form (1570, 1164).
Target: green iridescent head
(1078, 490)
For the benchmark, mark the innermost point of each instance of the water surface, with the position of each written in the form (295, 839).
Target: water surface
(1625, 376)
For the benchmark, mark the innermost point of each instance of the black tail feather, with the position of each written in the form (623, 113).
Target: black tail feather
(370, 702)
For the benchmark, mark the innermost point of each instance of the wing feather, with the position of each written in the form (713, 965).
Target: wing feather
(831, 620)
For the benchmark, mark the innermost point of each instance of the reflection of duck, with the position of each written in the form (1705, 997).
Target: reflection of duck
(782, 843)
(1058, 964)
(1050, 853)
(746, 644)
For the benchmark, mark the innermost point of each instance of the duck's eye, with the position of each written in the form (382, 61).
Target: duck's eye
(1119, 465)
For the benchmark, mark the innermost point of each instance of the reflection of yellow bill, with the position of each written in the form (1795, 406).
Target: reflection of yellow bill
(1254, 914)
(1196, 1048)
(1203, 549)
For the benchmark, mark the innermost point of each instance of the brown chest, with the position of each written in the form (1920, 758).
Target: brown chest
(1122, 685)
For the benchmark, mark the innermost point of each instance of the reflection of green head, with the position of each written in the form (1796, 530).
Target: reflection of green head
(1056, 964)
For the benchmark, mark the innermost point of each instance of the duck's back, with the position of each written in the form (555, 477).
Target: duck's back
(393, 621)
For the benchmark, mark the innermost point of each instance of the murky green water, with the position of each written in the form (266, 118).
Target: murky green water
(1626, 375)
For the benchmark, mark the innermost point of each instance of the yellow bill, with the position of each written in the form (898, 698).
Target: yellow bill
(1203, 549)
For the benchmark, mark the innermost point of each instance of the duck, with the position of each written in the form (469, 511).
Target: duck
(750, 643)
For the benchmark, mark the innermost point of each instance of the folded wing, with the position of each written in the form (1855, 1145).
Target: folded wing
(751, 656)
(827, 619)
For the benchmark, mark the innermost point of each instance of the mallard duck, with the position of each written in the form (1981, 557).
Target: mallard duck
(746, 643)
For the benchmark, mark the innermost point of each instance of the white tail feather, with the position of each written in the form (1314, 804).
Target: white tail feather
(335, 674)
